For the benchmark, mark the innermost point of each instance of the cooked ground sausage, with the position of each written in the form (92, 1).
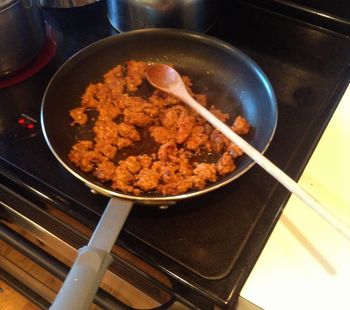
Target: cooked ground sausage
(79, 116)
(125, 120)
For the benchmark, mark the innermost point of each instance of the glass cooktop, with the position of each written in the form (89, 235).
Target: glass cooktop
(209, 243)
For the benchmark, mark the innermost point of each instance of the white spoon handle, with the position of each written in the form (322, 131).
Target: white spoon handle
(272, 169)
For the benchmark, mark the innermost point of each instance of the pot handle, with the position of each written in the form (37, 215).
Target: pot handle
(83, 280)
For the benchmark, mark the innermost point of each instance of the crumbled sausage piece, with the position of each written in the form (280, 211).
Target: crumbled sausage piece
(95, 95)
(79, 116)
(162, 100)
(234, 151)
(136, 71)
(128, 131)
(105, 131)
(132, 164)
(106, 149)
(147, 179)
(201, 98)
(202, 173)
(185, 124)
(123, 179)
(115, 81)
(84, 156)
(108, 110)
(225, 164)
(145, 160)
(217, 141)
(161, 134)
(220, 115)
(122, 142)
(197, 138)
(166, 99)
(167, 151)
(139, 112)
(185, 167)
(188, 83)
(241, 126)
(178, 185)
(167, 170)
(170, 116)
(105, 171)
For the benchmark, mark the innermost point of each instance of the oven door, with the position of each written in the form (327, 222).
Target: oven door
(39, 243)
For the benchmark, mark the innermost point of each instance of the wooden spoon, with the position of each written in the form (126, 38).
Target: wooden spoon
(169, 80)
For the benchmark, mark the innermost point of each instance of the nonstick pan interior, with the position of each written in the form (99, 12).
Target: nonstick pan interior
(232, 81)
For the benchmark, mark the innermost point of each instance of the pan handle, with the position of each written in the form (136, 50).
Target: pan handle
(83, 280)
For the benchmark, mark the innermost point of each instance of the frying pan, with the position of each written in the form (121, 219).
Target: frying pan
(233, 83)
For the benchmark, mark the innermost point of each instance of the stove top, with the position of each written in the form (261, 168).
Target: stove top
(210, 243)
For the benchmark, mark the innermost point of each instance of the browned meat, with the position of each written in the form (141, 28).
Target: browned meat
(181, 136)
(178, 185)
(202, 173)
(197, 138)
(132, 164)
(84, 156)
(105, 171)
(147, 179)
(170, 116)
(122, 142)
(146, 160)
(105, 131)
(185, 167)
(241, 126)
(139, 112)
(128, 131)
(161, 134)
(234, 150)
(221, 116)
(225, 165)
(167, 151)
(123, 179)
(160, 99)
(217, 141)
(95, 95)
(79, 116)
(108, 111)
(185, 124)
(82, 146)
(201, 98)
(137, 118)
(136, 71)
(107, 150)
(166, 170)
(168, 100)
(188, 84)
(115, 81)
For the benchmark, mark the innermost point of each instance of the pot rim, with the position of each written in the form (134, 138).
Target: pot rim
(65, 4)
(6, 4)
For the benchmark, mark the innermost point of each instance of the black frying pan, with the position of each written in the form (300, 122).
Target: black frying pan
(233, 82)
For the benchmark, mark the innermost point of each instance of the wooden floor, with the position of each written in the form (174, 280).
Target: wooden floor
(11, 300)
(42, 281)
(39, 280)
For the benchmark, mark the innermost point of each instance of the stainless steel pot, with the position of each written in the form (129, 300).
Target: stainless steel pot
(196, 15)
(65, 4)
(22, 34)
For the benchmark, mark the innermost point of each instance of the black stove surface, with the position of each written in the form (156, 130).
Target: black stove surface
(210, 243)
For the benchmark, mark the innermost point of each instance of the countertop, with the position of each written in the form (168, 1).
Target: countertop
(306, 263)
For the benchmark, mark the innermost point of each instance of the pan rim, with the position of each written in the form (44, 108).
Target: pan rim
(212, 41)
